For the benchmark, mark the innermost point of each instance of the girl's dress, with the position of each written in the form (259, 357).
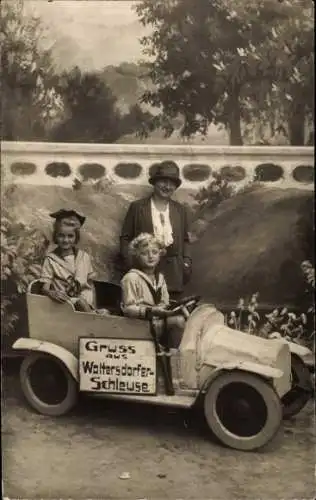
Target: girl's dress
(72, 274)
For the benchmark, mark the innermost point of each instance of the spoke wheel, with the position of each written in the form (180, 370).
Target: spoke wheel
(242, 410)
(47, 384)
(295, 400)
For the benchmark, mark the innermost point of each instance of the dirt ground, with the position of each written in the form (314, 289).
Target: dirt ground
(166, 453)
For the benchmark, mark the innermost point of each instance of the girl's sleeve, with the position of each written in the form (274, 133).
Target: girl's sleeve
(85, 274)
(47, 272)
(130, 299)
(91, 274)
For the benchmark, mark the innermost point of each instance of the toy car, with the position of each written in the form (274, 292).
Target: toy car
(240, 379)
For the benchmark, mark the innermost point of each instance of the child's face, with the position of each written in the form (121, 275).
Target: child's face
(149, 257)
(66, 238)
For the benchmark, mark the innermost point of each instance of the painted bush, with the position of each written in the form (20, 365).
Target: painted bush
(128, 170)
(268, 172)
(233, 174)
(58, 169)
(23, 168)
(304, 173)
(196, 172)
(91, 171)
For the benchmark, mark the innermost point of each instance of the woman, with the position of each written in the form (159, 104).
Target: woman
(158, 214)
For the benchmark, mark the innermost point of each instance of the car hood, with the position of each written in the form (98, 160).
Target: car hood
(207, 341)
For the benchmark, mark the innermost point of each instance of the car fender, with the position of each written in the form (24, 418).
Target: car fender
(66, 357)
(264, 371)
(303, 352)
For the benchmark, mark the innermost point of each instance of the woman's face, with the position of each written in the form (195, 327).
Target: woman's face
(149, 256)
(164, 188)
(66, 238)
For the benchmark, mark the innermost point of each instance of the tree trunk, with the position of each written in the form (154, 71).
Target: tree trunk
(297, 126)
(235, 138)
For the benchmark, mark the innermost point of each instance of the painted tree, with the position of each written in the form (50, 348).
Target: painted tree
(211, 59)
(286, 96)
(90, 112)
(30, 103)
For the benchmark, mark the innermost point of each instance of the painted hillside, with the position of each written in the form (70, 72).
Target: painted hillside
(253, 242)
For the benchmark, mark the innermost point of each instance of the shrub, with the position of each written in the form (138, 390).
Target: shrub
(217, 191)
(77, 184)
(103, 185)
(22, 249)
(295, 327)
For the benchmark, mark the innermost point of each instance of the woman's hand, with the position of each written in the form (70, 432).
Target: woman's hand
(59, 297)
(187, 269)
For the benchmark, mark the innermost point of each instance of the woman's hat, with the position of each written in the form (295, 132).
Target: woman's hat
(166, 170)
(65, 214)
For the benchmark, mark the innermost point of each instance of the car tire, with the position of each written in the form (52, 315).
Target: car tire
(242, 410)
(47, 384)
(295, 400)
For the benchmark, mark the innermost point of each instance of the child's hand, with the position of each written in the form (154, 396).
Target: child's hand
(60, 297)
(73, 287)
(159, 311)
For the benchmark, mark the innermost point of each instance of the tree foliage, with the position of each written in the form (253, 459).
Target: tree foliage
(30, 103)
(91, 115)
(225, 61)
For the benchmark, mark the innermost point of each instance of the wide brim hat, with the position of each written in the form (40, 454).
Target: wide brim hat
(64, 213)
(166, 170)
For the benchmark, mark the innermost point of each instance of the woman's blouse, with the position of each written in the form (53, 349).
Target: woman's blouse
(162, 224)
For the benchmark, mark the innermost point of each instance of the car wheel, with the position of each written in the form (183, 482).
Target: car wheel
(242, 410)
(297, 397)
(47, 384)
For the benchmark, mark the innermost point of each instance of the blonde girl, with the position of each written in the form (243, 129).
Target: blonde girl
(144, 290)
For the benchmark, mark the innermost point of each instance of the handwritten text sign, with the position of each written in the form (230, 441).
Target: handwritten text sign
(117, 366)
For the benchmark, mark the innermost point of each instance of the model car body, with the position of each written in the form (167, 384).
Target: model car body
(239, 378)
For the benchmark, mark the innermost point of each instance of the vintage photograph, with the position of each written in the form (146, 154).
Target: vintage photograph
(157, 249)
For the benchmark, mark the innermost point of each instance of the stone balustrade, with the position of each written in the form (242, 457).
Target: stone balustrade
(61, 163)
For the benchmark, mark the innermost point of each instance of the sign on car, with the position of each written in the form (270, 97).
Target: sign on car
(117, 366)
